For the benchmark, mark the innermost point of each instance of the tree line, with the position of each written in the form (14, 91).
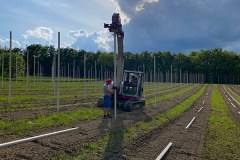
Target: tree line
(215, 65)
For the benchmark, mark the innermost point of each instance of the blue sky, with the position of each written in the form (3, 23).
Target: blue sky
(149, 25)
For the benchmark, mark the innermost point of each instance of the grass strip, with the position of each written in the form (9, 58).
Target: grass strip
(162, 89)
(170, 95)
(42, 105)
(126, 136)
(30, 98)
(223, 138)
(58, 119)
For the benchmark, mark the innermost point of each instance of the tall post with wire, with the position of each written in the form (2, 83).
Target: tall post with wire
(171, 81)
(2, 67)
(16, 69)
(58, 84)
(95, 71)
(10, 72)
(34, 66)
(154, 81)
(180, 75)
(85, 96)
(27, 68)
(115, 74)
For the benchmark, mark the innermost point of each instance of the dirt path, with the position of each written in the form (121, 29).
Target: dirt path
(88, 132)
(186, 143)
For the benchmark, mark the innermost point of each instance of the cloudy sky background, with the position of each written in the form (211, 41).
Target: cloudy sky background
(149, 25)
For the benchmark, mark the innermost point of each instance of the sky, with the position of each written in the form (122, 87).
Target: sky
(149, 25)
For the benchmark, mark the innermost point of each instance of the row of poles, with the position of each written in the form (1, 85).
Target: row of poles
(105, 75)
(10, 72)
(58, 69)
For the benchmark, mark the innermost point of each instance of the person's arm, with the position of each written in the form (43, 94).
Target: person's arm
(110, 91)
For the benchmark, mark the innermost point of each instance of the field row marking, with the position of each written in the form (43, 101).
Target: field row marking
(164, 151)
(233, 105)
(36, 137)
(189, 124)
(200, 109)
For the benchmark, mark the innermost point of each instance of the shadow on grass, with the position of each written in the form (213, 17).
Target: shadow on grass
(114, 148)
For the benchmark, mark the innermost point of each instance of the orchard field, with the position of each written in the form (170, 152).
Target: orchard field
(201, 121)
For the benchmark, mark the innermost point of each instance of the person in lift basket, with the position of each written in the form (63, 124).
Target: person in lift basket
(107, 90)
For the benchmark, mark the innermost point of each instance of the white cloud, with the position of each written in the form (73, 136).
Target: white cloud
(124, 18)
(90, 41)
(103, 40)
(78, 33)
(65, 45)
(45, 33)
(5, 42)
(140, 5)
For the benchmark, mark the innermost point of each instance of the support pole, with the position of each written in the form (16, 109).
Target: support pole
(10, 72)
(2, 67)
(53, 74)
(115, 75)
(154, 81)
(171, 75)
(1, 60)
(74, 70)
(58, 91)
(101, 73)
(180, 75)
(171, 82)
(95, 71)
(68, 73)
(85, 96)
(27, 69)
(16, 69)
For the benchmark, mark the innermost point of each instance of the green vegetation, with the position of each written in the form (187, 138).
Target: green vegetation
(223, 138)
(17, 60)
(57, 119)
(170, 95)
(125, 137)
